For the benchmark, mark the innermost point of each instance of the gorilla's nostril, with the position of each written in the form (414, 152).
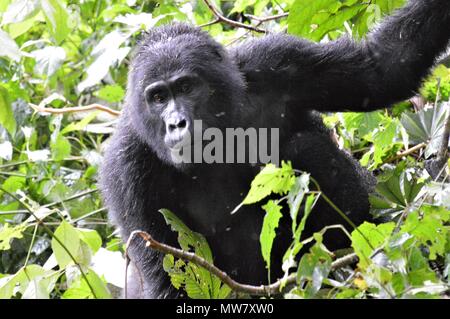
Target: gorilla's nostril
(172, 127)
(176, 124)
(182, 124)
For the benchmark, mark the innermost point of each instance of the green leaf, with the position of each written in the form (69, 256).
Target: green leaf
(17, 29)
(270, 223)
(429, 228)
(60, 147)
(194, 289)
(69, 237)
(313, 269)
(224, 292)
(90, 237)
(7, 233)
(293, 250)
(197, 281)
(274, 179)
(301, 14)
(33, 281)
(7, 119)
(81, 290)
(168, 262)
(79, 126)
(383, 140)
(295, 197)
(336, 21)
(426, 126)
(41, 282)
(376, 236)
(57, 19)
(111, 93)
(395, 193)
(241, 5)
(187, 238)
(14, 183)
(309, 204)
(365, 123)
(3, 6)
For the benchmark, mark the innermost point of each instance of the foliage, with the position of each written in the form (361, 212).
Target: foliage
(439, 81)
(54, 238)
(197, 281)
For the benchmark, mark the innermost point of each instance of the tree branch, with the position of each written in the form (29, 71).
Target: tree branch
(242, 36)
(406, 153)
(272, 289)
(94, 106)
(269, 18)
(221, 18)
(209, 23)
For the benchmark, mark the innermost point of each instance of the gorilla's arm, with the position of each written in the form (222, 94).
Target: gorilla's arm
(344, 75)
(134, 185)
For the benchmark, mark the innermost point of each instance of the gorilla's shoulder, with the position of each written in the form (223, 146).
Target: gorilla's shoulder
(270, 49)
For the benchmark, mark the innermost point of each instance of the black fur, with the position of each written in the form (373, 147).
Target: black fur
(273, 81)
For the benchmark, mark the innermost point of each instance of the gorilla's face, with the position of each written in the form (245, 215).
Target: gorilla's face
(178, 80)
(172, 104)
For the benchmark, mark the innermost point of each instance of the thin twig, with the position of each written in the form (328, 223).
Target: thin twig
(336, 209)
(242, 36)
(269, 18)
(90, 107)
(76, 196)
(272, 289)
(31, 244)
(400, 155)
(100, 210)
(209, 23)
(233, 23)
(74, 158)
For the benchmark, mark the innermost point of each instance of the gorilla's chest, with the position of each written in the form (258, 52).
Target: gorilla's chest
(206, 207)
(210, 197)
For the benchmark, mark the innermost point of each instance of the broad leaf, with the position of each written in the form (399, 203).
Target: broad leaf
(426, 126)
(376, 236)
(57, 19)
(270, 224)
(197, 281)
(68, 236)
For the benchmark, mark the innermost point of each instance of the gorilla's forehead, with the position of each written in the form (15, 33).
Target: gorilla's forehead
(162, 60)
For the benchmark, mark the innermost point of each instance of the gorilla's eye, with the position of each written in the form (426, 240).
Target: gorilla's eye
(158, 96)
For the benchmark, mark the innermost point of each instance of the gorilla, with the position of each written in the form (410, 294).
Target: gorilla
(180, 74)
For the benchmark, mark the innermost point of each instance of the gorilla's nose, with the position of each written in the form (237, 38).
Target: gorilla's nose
(178, 123)
(176, 130)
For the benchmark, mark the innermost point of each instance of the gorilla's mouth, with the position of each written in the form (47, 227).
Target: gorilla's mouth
(181, 145)
(176, 143)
